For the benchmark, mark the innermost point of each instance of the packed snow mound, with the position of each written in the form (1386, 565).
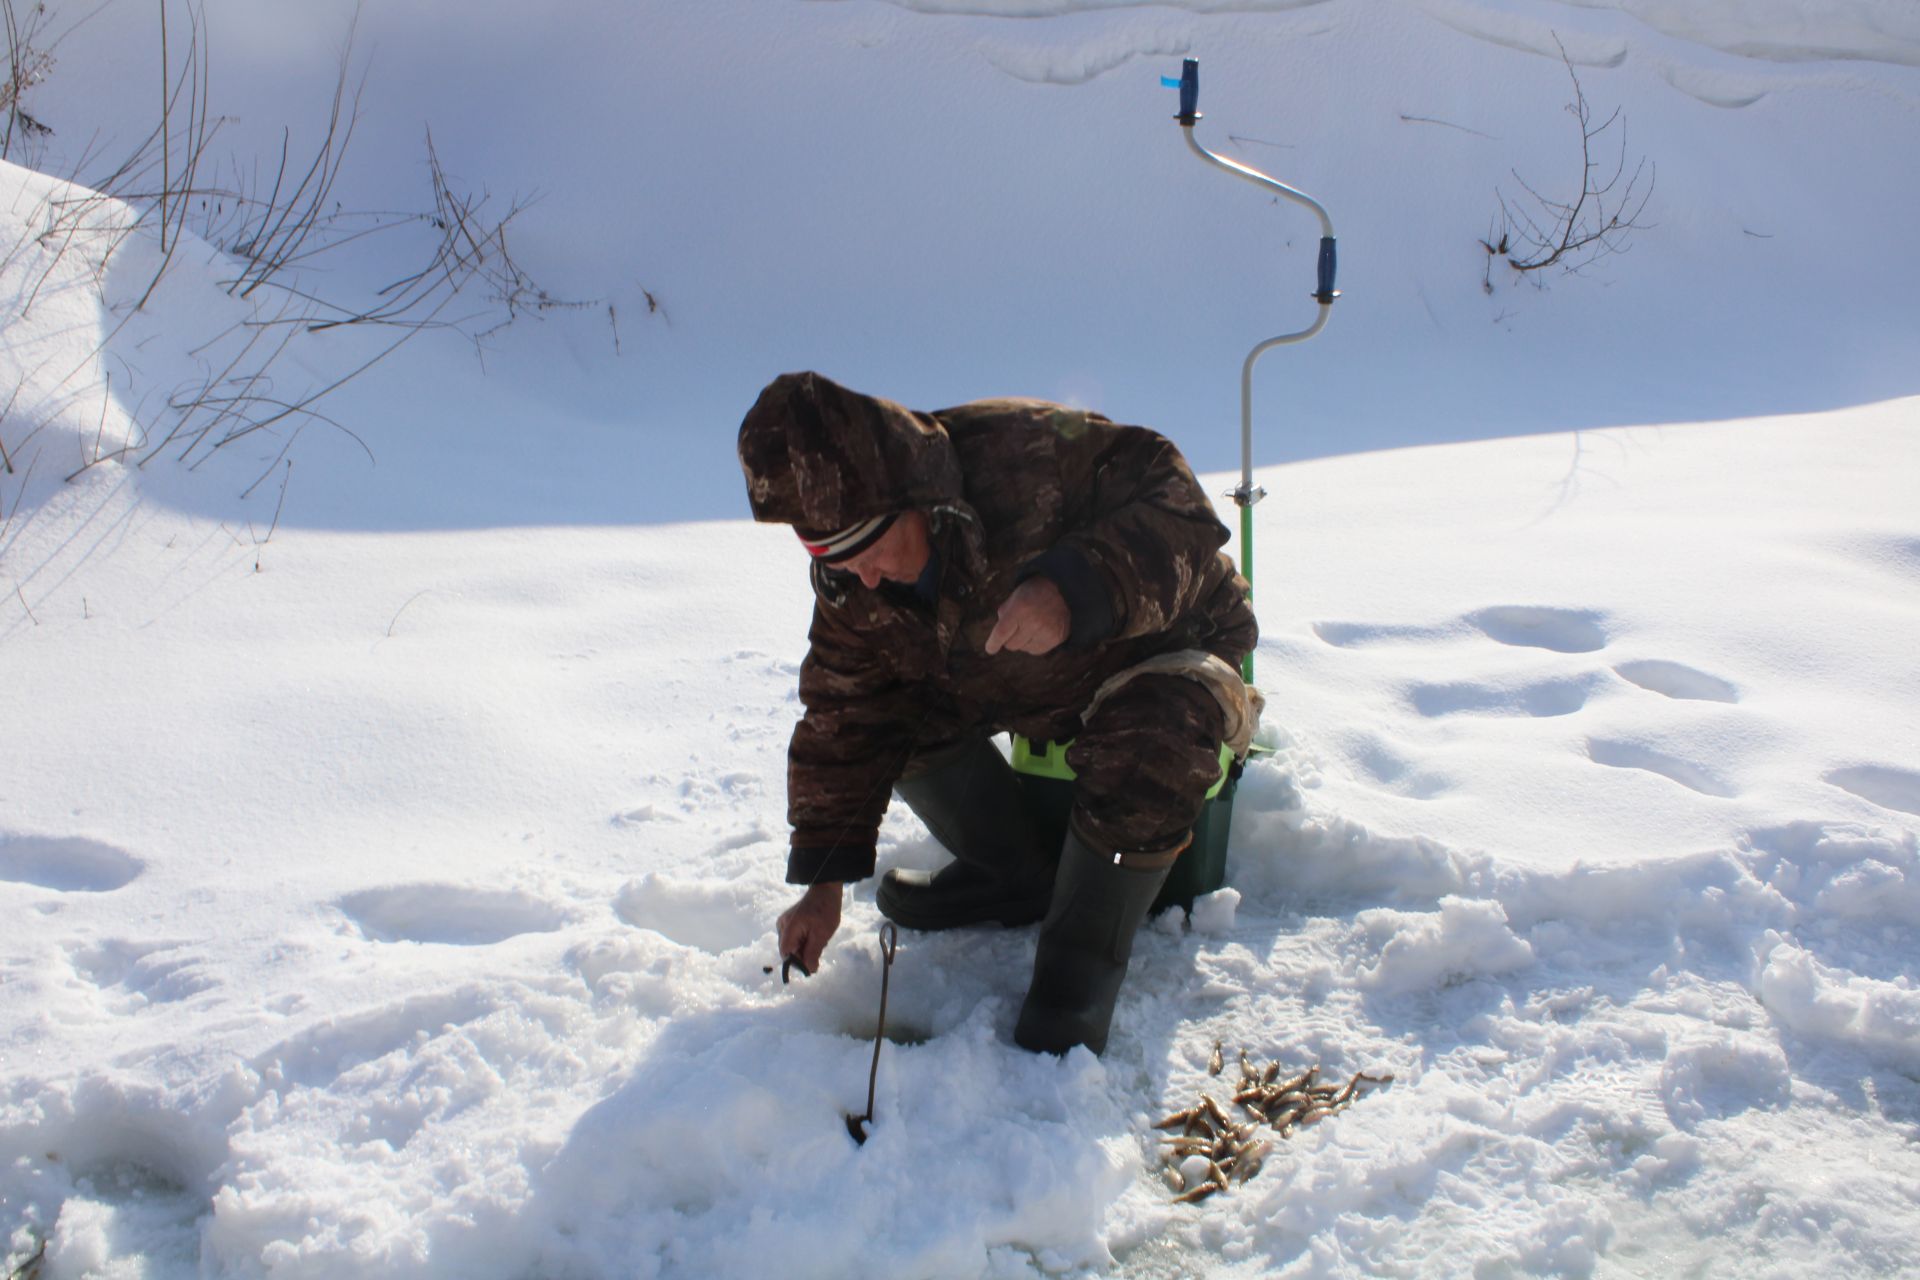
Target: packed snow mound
(62, 243)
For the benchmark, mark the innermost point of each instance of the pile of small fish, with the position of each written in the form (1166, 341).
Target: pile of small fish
(1234, 1151)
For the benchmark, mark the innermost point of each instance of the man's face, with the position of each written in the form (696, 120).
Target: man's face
(900, 554)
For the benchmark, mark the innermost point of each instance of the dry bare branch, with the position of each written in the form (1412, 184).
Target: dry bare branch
(276, 515)
(1541, 231)
(171, 182)
(286, 227)
(166, 127)
(195, 80)
(27, 65)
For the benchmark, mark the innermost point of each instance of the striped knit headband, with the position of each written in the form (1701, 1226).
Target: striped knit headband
(848, 542)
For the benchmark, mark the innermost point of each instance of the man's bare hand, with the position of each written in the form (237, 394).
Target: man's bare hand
(1034, 619)
(805, 927)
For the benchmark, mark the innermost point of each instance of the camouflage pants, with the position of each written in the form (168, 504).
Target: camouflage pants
(1143, 764)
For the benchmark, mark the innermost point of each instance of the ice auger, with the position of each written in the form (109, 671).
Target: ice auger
(1248, 493)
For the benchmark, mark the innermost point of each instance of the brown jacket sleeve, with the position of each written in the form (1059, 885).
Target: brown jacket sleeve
(848, 750)
(1148, 540)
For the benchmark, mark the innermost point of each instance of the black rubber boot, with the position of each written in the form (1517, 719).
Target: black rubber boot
(972, 802)
(1085, 944)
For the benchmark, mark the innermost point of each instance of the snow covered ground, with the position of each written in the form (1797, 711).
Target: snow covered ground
(390, 842)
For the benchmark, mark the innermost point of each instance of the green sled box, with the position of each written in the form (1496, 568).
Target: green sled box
(1048, 783)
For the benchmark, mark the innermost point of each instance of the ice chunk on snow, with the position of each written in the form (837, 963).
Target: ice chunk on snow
(1466, 938)
(1818, 1001)
(1214, 912)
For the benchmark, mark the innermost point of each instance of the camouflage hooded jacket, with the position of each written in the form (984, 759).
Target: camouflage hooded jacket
(1011, 488)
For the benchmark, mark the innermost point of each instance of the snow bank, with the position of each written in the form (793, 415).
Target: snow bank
(1778, 30)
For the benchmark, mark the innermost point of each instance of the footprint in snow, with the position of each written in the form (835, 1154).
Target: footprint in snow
(1677, 680)
(1897, 556)
(743, 839)
(68, 864)
(130, 976)
(714, 916)
(448, 913)
(1561, 630)
(1398, 774)
(1629, 755)
(1522, 626)
(1541, 699)
(644, 814)
(1880, 784)
(1353, 635)
(317, 1055)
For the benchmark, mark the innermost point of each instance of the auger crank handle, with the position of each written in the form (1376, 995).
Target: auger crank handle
(1326, 293)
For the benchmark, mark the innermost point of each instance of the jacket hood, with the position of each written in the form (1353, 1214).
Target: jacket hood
(822, 458)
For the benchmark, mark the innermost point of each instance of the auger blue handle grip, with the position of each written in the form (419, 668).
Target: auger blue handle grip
(1189, 91)
(1326, 292)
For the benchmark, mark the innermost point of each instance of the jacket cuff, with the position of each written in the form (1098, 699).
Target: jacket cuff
(1082, 587)
(812, 864)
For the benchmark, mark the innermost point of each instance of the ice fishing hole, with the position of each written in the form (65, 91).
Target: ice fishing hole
(905, 1032)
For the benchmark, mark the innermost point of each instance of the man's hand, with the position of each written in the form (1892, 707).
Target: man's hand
(1034, 619)
(805, 926)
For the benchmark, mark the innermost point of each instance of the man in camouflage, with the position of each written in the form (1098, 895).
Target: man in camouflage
(1007, 565)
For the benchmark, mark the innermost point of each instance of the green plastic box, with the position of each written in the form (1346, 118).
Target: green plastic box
(1048, 782)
